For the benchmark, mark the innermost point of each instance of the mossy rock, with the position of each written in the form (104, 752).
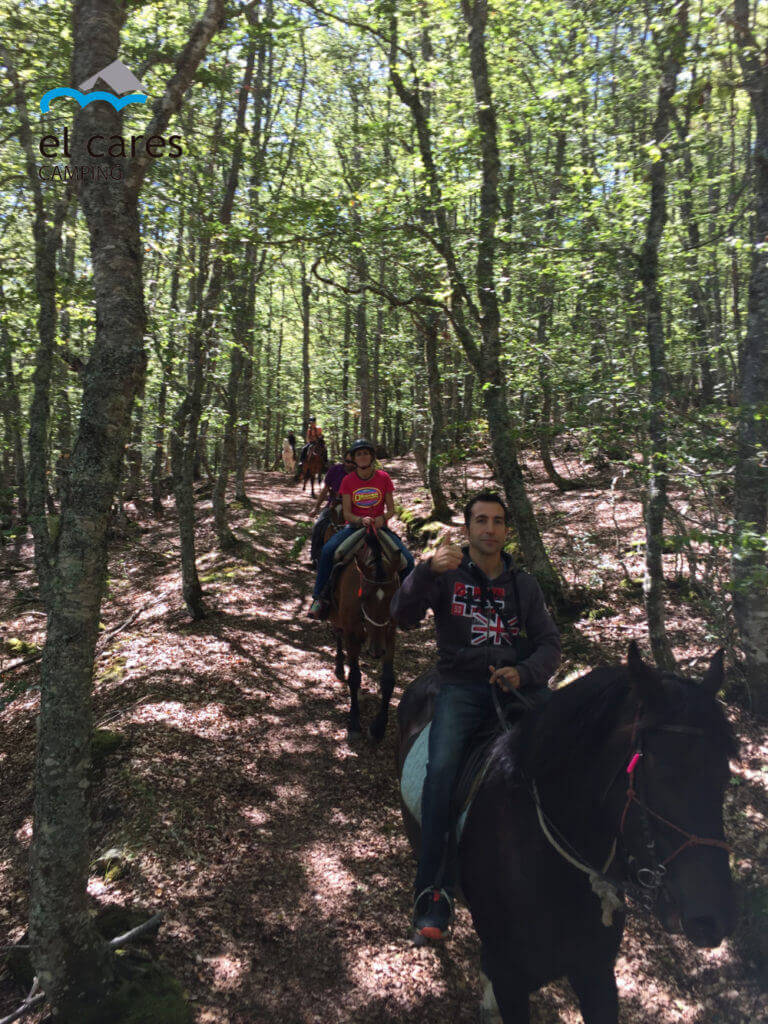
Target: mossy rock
(113, 672)
(145, 993)
(21, 648)
(103, 743)
(113, 864)
(600, 611)
(19, 964)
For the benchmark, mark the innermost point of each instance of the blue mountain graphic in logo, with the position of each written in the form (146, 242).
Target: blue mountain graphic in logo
(116, 75)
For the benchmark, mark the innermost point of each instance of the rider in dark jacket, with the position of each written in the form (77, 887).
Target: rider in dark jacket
(493, 628)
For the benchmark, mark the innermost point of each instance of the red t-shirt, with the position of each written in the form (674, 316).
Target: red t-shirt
(367, 495)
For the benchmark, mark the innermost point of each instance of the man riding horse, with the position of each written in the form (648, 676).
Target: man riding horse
(493, 630)
(367, 497)
(314, 436)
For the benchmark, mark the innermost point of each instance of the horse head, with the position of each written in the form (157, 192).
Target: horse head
(379, 579)
(674, 786)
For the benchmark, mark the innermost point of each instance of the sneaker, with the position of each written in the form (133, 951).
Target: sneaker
(433, 914)
(319, 609)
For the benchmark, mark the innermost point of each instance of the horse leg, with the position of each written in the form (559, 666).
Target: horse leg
(378, 726)
(339, 666)
(353, 682)
(595, 988)
(489, 1008)
(510, 988)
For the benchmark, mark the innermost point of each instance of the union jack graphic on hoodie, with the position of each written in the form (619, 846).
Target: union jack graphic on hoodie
(487, 627)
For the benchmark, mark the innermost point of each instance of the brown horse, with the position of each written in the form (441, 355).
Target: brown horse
(312, 467)
(360, 616)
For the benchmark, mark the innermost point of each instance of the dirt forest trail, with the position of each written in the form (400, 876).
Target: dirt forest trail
(274, 847)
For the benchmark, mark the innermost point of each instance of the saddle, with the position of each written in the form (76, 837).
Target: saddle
(471, 772)
(348, 548)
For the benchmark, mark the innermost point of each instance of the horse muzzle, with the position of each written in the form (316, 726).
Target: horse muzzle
(707, 932)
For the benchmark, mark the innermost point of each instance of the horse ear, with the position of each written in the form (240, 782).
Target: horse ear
(645, 680)
(714, 676)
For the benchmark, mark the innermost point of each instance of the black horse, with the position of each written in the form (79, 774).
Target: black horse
(615, 785)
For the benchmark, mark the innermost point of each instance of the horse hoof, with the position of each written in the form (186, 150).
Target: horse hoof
(418, 939)
(373, 735)
(354, 735)
(339, 673)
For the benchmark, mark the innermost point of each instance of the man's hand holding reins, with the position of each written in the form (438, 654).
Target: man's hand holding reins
(505, 676)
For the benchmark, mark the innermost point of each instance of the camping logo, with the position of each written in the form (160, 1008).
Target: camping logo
(116, 75)
(105, 154)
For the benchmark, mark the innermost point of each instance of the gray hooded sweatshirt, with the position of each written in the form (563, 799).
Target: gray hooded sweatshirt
(469, 613)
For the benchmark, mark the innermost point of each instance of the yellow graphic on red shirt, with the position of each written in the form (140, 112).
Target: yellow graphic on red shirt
(366, 497)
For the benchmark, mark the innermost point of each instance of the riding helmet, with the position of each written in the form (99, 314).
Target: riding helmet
(360, 444)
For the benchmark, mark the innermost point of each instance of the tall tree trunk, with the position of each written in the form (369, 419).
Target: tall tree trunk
(484, 358)
(547, 300)
(431, 331)
(656, 495)
(345, 438)
(749, 569)
(14, 421)
(226, 539)
(73, 963)
(188, 439)
(184, 446)
(166, 370)
(306, 293)
(132, 487)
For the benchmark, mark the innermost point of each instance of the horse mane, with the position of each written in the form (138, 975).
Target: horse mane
(374, 546)
(564, 736)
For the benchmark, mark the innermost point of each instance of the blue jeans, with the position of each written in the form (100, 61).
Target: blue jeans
(460, 710)
(326, 557)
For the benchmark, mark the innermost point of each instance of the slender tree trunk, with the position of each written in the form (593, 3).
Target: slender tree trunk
(484, 358)
(14, 421)
(431, 331)
(184, 446)
(345, 438)
(73, 963)
(306, 293)
(226, 539)
(166, 369)
(547, 300)
(749, 568)
(132, 487)
(656, 496)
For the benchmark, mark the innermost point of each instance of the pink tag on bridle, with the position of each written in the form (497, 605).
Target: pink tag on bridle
(633, 762)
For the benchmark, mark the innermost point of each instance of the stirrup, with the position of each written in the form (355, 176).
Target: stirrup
(428, 931)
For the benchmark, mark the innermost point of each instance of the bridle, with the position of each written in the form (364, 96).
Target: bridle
(651, 878)
(382, 585)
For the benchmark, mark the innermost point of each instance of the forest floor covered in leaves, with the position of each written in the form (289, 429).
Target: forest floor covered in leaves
(234, 803)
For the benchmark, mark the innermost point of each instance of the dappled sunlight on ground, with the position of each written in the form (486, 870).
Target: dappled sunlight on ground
(272, 844)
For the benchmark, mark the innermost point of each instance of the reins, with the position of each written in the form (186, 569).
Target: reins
(487, 601)
(379, 583)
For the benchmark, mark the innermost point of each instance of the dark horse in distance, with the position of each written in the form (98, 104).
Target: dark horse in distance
(360, 616)
(313, 466)
(626, 770)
